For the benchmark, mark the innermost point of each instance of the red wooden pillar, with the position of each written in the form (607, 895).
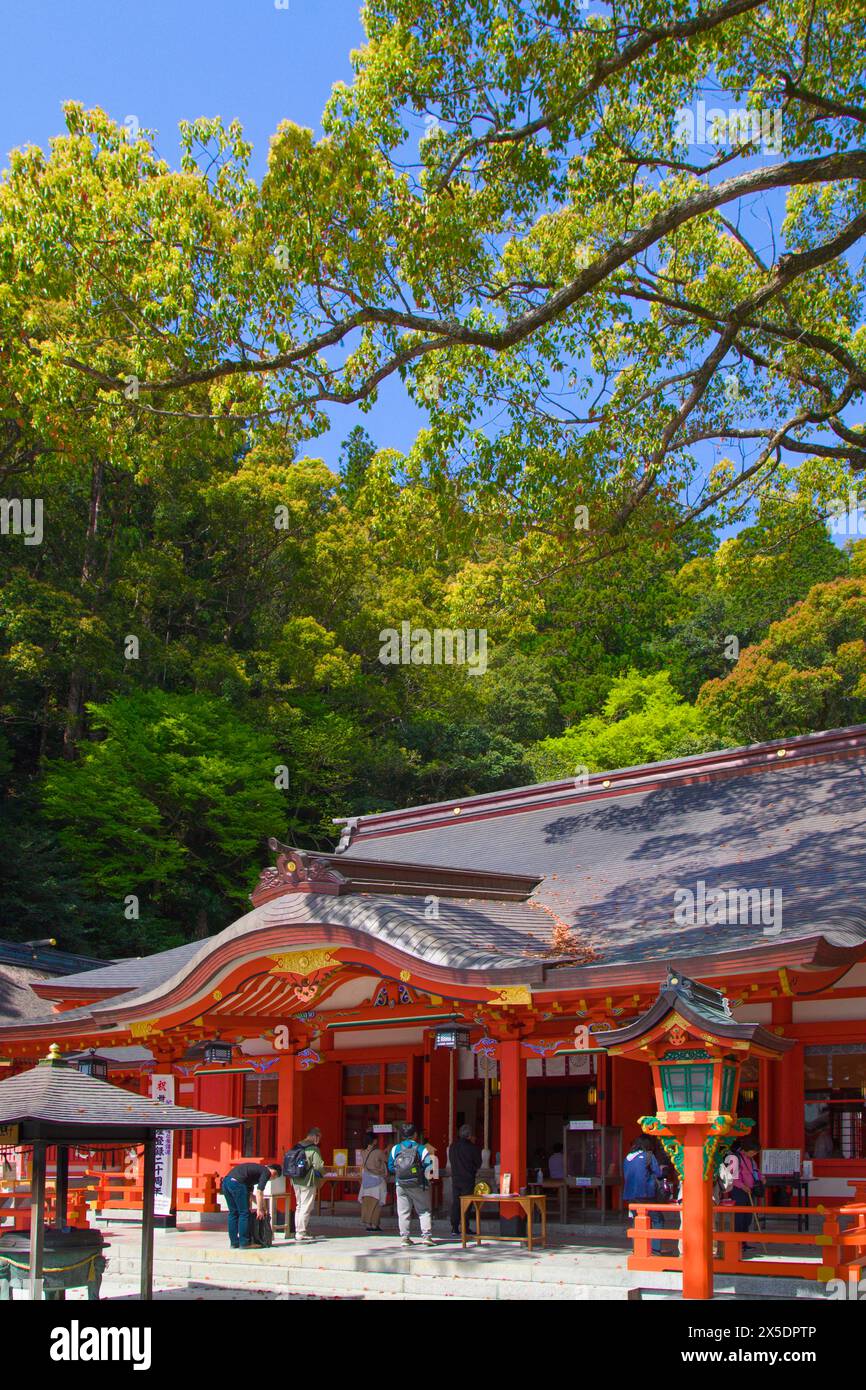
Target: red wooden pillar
(221, 1094)
(435, 1120)
(788, 1088)
(790, 1112)
(697, 1232)
(512, 1076)
(766, 1089)
(290, 1083)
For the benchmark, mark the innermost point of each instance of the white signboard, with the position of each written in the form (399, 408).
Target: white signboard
(162, 1089)
(780, 1162)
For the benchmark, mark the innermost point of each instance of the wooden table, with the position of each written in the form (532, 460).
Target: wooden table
(557, 1186)
(337, 1177)
(527, 1201)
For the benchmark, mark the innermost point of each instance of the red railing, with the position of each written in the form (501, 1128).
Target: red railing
(114, 1190)
(838, 1252)
(15, 1208)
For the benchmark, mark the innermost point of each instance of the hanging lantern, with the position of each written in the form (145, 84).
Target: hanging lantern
(93, 1065)
(217, 1051)
(452, 1038)
(592, 1095)
(748, 1094)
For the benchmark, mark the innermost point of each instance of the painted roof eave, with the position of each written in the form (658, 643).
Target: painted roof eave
(808, 952)
(254, 934)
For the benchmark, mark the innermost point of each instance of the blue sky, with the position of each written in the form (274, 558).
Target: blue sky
(163, 61)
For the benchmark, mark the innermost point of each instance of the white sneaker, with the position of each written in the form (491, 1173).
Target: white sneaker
(303, 1240)
(427, 1240)
(406, 1240)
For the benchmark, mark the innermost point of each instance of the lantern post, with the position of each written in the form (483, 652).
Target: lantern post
(696, 1050)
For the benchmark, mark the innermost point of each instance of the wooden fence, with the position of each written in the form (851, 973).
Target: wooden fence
(839, 1241)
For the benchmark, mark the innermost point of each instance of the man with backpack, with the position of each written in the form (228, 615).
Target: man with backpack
(410, 1163)
(304, 1165)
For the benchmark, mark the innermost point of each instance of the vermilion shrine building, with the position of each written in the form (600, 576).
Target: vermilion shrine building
(533, 918)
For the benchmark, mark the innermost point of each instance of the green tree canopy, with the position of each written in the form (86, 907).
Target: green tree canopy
(172, 804)
(809, 673)
(643, 720)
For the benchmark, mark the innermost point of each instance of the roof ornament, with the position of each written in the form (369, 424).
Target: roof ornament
(350, 825)
(702, 995)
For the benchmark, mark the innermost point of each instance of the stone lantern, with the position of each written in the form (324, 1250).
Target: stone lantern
(696, 1051)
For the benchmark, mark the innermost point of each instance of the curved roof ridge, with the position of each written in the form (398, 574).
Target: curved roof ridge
(600, 785)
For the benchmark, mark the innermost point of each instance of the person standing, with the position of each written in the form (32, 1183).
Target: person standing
(642, 1182)
(237, 1187)
(305, 1166)
(410, 1163)
(744, 1175)
(464, 1160)
(373, 1189)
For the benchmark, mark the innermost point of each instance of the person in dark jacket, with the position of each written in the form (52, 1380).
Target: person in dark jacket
(464, 1160)
(237, 1188)
(642, 1182)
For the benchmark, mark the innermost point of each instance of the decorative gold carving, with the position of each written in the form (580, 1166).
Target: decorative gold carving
(303, 962)
(217, 994)
(405, 975)
(511, 994)
(143, 1028)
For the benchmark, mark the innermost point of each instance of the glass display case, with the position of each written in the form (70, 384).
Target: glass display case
(592, 1160)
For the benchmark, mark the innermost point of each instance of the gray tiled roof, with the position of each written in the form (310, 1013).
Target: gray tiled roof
(60, 1094)
(466, 935)
(137, 972)
(612, 866)
(45, 958)
(17, 999)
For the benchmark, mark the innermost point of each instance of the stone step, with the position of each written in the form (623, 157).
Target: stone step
(279, 1262)
(358, 1255)
(423, 1282)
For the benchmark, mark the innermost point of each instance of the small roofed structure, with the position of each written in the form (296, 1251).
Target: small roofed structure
(696, 1050)
(54, 1104)
(695, 1008)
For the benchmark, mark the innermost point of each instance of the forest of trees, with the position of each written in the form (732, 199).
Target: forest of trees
(190, 654)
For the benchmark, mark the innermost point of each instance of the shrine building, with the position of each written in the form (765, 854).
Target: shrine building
(451, 963)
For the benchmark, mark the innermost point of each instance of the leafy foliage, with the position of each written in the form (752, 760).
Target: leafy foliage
(808, 673)
(642, 721)
(626, 342)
